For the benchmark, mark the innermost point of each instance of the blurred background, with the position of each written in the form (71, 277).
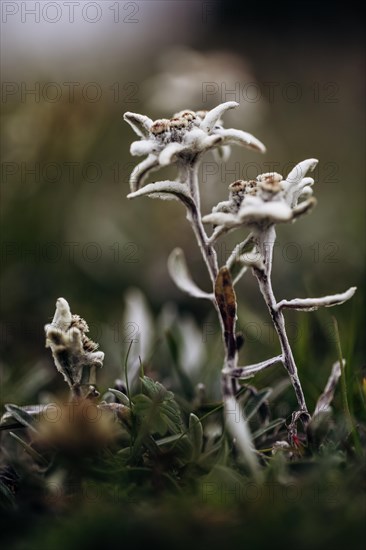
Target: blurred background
(69, 72)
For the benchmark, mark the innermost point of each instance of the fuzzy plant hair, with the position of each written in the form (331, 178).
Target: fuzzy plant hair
(254, 208)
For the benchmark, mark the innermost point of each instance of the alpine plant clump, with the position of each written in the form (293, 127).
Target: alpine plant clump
(254, 208)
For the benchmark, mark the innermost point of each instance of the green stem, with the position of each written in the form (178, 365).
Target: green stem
(126, 375)
(350, 423)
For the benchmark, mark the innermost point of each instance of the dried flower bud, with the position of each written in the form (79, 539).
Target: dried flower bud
(237, 186)
(251, 187)
(270, 182)
(237, 192)
(178, 123)
(188, 115)
(80, 323)
(270, 177)
(160, 126)
(74, 353)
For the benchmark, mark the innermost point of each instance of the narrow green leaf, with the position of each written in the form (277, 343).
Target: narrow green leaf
(255, 402)
(166, 440)
(24, 418)
(36, 456)
(121, 397)
(7, 494)
(271, 426)
(196, 435)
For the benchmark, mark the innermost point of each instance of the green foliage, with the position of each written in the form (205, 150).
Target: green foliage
(156, 408)
(156, 450)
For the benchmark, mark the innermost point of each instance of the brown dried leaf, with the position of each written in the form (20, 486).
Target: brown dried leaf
(226, 301)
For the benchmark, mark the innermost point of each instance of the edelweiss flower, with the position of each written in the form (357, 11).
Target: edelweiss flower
(266, 201)
(74, 353)
(181, 139)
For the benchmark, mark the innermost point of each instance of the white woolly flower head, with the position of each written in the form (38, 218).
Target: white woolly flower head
(182, 138)
(268, 200)
(75, 355)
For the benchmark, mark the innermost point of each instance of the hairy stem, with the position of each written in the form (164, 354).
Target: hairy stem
(194, 215)
(229, 384)
(263, 276)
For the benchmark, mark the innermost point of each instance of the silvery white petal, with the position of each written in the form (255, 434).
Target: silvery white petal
(302, 190)
(167, 154)
(306, 192)
(223, 206)
(178, 270)
(295, 177)
(299, 171)
(222, 218)
(209, 142)
(238, 137)
(305, 182)
(142, 147)
(164, 190)
(63, 317)
(303, 207)
(141, 124)
(141, 171)
(215, 114)
(194, 139)
(273, 211)
(164, 196)
(310, 304)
